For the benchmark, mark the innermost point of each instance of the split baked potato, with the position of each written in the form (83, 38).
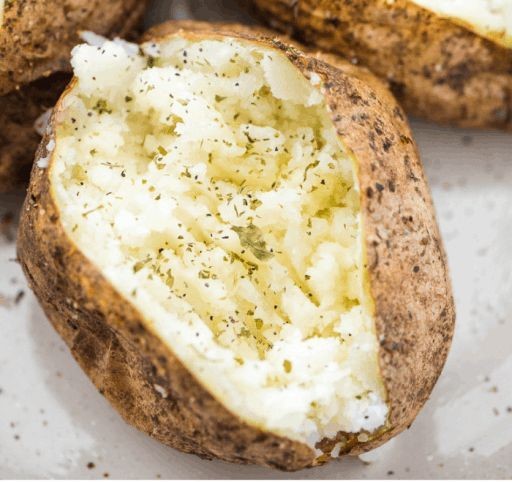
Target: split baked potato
(36, 37)
(237, 242)
(449, 61)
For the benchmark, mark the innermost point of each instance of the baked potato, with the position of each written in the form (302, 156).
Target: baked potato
(449, 61)
(237, 242)
(36, 37)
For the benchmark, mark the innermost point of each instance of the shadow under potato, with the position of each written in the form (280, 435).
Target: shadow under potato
(225, 11)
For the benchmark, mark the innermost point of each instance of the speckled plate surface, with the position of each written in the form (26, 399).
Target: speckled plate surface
(53, 423)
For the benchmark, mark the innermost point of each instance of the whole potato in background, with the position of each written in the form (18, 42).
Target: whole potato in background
(445, 69)
(19, 112)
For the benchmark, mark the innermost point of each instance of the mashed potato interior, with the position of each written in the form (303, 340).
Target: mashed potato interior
(206, 180)
(489, 18)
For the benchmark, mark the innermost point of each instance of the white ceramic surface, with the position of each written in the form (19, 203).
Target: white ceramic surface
(53, 423)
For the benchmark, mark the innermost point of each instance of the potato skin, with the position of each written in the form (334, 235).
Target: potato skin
(19, 111)
(409, 281)
(439, 70)
(36, 37)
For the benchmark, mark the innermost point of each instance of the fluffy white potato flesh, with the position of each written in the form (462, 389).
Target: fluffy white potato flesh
(206, 181)
(489, 18)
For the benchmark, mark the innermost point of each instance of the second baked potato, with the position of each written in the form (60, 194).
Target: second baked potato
(238, 244)
(449, 61)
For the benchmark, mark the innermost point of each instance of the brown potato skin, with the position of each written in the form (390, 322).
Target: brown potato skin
(438, 70)
(406, 266)
(36, 38)
(19, 111)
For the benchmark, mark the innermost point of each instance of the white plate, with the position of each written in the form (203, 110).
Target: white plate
(53, 423)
